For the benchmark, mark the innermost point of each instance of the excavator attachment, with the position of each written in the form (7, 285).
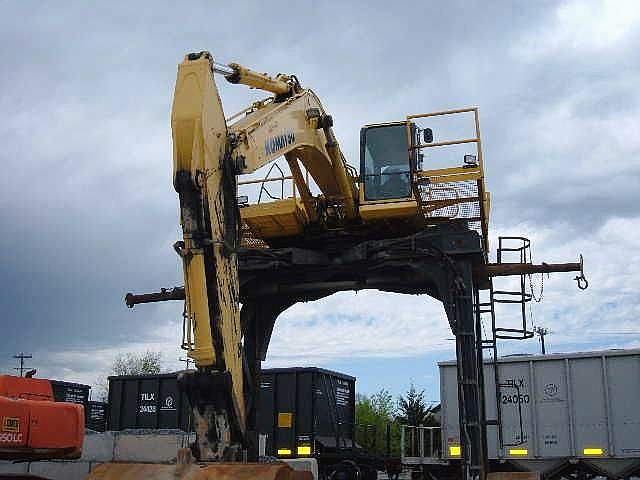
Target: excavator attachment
(205, 181)
(208, 155)
(217, 471)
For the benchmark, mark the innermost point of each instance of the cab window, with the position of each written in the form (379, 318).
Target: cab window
(385, 162)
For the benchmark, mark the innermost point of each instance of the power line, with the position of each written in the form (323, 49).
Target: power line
(22, 358)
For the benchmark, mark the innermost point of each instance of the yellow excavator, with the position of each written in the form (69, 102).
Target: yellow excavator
(395, 226)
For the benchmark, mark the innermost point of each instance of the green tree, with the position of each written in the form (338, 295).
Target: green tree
(412, 409)
(414, 412)
(373, 414)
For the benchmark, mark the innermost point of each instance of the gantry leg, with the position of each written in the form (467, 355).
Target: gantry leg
(458, 299)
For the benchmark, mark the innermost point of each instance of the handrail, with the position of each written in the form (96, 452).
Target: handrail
(476, 173)
(266, 179)
(443, 112)
(444, 144)
(417, 445)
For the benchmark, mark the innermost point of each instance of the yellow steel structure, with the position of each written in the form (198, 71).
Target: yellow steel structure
(448, 178)
(392, 196)
(203, 142)
(199, 147)
(290, 216)
(332, 207)
(209, 152)
(298, 129)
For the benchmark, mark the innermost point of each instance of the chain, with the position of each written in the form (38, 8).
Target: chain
(538, 298)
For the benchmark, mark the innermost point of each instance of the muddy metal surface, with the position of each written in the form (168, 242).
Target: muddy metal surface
(220, 471)
(153, 452)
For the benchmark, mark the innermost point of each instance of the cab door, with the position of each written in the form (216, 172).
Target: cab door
(385, 172)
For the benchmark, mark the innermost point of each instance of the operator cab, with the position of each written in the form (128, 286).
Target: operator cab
(387, 165)
(394, 185)
(385, 162)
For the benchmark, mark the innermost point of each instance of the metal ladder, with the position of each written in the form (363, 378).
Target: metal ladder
(520, 247)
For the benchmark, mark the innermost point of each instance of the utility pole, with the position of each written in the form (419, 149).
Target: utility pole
(187, 361)
(22, 358)
(541, 332)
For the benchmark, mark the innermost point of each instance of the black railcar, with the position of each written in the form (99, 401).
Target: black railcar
(147, 402)
(70, 392)
(305, 411)
(95, 414)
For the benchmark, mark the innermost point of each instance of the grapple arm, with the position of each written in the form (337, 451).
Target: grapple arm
(205, 181)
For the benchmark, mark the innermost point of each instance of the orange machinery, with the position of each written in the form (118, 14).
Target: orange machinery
(33, 426)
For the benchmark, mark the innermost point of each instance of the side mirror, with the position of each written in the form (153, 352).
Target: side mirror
(470, 161)
(243, 200)
(427, 135)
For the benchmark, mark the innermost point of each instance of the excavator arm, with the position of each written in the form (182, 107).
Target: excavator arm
(205, 181)
(208, 155)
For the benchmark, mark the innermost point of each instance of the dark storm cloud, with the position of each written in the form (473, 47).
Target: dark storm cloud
(86, 204)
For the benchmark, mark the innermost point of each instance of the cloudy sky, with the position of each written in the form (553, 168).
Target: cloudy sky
(88, 211)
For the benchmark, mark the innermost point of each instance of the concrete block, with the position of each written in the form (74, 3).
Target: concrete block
(98, 447)
(10, 467)
(304, 465)
(60, 470)
(151, 448)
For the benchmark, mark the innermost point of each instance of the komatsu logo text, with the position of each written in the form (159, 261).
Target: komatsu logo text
(274, 144)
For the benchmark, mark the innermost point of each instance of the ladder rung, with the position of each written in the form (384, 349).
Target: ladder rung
(472, 424)
(468, 382)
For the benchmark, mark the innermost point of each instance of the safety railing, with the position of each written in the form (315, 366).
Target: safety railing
(421, 445)
(520, 249)
(264, 194)
(267, 179)
(457, 192)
